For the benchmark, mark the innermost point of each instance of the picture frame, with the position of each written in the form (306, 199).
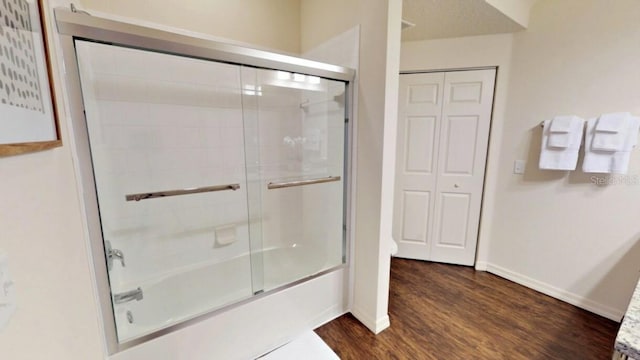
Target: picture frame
(28, 113)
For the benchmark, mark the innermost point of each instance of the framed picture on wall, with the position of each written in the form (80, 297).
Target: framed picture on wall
(28, 118)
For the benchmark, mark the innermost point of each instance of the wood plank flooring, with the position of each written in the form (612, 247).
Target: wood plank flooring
(442, 311)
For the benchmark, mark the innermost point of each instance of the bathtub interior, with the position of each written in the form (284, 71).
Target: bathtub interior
(180, 296)
(198, 289)
(162, 122)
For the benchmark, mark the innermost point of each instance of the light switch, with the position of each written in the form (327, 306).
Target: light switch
(518, 167)
(7, 291)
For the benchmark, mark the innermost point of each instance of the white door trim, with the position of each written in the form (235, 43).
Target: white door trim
(408, 72)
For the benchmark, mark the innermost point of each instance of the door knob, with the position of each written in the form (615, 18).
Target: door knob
(456, 186)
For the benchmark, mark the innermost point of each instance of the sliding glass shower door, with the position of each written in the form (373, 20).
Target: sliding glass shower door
(214, 181)
(167, 145)
(295, 132)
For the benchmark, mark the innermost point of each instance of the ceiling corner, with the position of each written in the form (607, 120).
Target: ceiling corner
(517, 10)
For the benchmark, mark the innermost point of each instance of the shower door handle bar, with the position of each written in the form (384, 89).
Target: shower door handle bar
(159, 194)
(281, 185)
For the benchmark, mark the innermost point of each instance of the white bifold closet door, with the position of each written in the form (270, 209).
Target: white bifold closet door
(443, 134)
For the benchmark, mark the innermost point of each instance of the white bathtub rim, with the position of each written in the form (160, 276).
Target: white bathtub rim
(194, 319)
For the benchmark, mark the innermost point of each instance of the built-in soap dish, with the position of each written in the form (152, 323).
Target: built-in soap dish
(225, 235)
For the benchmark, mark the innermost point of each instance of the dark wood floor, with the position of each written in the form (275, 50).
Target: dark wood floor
(450, 312)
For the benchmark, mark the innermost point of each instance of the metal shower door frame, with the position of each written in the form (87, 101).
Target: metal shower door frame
(72, 26)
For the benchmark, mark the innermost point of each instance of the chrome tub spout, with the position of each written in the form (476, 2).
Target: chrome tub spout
(128, 296)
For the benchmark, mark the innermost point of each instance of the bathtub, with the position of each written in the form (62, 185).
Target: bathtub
(190, 292)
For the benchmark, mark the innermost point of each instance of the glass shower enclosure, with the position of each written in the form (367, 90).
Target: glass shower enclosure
(215, 181)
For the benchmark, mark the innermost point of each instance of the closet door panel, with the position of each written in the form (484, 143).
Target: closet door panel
(420, 108)
(443, 129)
(464, 138)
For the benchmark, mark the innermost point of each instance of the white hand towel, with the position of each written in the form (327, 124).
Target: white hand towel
(617, 162)
(561, 158)
(612, 122)
(634, 128)
(611, 132)
(562, 124)
(560, 131)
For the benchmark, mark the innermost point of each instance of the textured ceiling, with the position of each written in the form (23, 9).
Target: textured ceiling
(437, 19)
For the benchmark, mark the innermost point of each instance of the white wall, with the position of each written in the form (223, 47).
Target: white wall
(555, 231)
(272, 24)
(42, 233)
(321, 20)
(389, 138)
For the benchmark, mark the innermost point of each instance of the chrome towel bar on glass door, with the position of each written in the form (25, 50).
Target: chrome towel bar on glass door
(287, 184)
(158, 194)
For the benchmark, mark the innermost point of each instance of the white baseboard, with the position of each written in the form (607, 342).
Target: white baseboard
(481, 265)
(375, 325)
(560, 294)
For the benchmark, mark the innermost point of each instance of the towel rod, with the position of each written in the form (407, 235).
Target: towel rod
(158, 194)
(542, 124)
(281, 185)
